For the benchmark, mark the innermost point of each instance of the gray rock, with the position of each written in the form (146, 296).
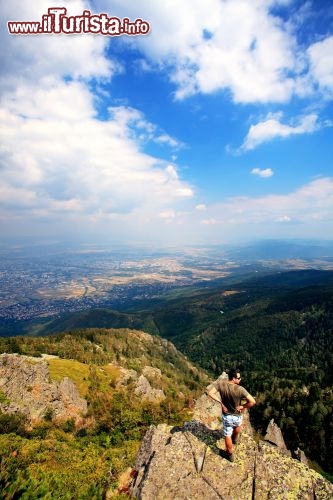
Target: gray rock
(145, 390)
(184, 463)
(274, 436)
(300, 455)
(126, 375)
(189, 463)
(25, 381)
(152, 373)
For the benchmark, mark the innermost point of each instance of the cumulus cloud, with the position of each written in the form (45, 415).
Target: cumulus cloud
(209, 222)
(169, 141)
(283, 218)
(98, 164)
(201, 207)
(60, 161)
(58, 158)
(266, 172)
(311, 202)
(235, 45)
(321, 62)
(305, 212)
(272, 128)
(48, 55)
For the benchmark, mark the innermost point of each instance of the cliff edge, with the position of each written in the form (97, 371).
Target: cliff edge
(188, 463)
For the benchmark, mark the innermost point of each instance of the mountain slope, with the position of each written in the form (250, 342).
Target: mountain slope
(129, 380)
(277, 328)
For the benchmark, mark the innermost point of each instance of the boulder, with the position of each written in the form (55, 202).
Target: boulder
(145, 390)
(25, 382)
(274, 436)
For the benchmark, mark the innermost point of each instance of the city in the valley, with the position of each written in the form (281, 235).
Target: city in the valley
(47, 284)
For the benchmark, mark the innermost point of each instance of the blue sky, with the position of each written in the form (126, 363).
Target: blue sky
(216, 127)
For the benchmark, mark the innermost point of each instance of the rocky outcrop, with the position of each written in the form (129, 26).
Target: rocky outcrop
(145, 390)
(300, 455)
(274, 436)
(25, 383)
(143, 387)
(189, 462)
(186, 463)
(125, 375)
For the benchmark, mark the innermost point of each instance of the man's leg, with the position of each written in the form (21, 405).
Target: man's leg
(227, 431)
(228, 444)
(231, 427)
(235, 434)
(230, 440)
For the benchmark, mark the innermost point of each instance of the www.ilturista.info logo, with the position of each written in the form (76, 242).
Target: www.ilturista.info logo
(56, 22)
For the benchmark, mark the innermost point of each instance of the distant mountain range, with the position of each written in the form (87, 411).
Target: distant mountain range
(259, 249)
(281, 249)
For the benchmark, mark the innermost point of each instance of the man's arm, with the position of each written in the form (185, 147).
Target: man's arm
(250, 401)
(215, 396)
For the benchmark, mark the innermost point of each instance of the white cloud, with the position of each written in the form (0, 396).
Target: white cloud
(98, 164)
(267, 172)
(68, 159)
(321, 63)
(59, 162)
(184, 192)
(169, 141)
(272, 128)
(172, 171)
(240, 46)
(82, 57)
(209, 222)
(235, 45)
(283, 218)
(305, 212)
(212, 45)
(63, 165)
(52, 99)
(311, 202)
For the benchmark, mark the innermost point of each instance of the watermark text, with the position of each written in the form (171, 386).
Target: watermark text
(56, 22)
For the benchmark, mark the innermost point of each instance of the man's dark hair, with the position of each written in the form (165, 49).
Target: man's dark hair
(232, 373)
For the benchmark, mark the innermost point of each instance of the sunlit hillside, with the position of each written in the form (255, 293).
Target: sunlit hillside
(130, 380)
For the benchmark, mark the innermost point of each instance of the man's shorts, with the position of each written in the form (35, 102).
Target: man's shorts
(230, 422)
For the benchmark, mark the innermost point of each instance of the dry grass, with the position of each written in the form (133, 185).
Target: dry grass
(78, 372)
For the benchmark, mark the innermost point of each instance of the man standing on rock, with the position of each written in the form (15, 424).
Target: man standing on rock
(230, 394)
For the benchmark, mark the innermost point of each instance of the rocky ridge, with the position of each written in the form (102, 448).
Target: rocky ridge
(143, 387)
(188, 463)
(27, 388)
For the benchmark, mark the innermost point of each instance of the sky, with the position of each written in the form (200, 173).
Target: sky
(215, 126)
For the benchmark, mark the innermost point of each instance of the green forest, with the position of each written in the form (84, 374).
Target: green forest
(57, 459)
(277, 329)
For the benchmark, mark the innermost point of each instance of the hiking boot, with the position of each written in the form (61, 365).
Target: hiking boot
(230, 457)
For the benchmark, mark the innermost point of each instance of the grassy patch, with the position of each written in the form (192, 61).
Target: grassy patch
(78, 372)
(3, 398)
(113, 373)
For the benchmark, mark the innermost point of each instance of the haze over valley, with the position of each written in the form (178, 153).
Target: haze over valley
(42, 282)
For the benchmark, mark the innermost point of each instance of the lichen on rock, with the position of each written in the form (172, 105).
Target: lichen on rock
(26, 383)
(188, 462)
